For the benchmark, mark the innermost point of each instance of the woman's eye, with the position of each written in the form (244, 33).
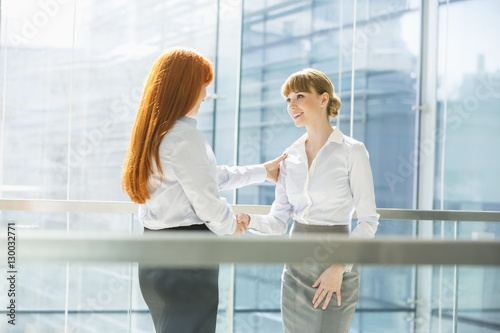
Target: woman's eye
(288, 100)
(300, 96)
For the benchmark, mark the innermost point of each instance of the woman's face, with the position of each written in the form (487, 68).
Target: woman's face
(201, 97)
(305, 108)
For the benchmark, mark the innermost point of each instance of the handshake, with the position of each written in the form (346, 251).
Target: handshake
(242, 221)
(272, 169)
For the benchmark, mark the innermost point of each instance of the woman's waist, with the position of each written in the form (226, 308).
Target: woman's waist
(193, 227)
(310, 218)
(319, 214)
(169, 219)
(303, 228)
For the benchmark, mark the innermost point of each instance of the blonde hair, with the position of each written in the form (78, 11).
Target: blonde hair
(171, 90)
(311, 80)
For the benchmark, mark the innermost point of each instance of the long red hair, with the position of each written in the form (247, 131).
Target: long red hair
(171, 91)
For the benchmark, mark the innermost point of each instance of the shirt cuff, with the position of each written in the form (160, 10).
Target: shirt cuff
(258, 173)
(254, 224)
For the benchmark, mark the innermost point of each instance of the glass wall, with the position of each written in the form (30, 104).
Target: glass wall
(467, 132)
(376, 81)
(72, 73)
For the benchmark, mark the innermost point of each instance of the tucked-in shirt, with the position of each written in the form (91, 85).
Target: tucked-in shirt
(338, 182)
(188, 192)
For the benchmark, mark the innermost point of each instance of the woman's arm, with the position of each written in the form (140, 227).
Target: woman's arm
(363, 193)
(230, 178)
(238, 176)
(197, 175)
(276, 222)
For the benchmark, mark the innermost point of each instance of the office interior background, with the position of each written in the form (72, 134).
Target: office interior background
(419, 83)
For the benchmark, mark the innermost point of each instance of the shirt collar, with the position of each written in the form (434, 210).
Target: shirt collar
(189, 120)
(336, 137)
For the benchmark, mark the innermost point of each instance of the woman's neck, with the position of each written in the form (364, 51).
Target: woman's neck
(318, 134)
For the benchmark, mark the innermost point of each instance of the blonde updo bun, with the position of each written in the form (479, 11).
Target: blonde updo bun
(334, 106)
(312, 80)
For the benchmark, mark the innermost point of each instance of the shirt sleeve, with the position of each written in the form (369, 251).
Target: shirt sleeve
(198, 177)
(238, 176)
(361, 183)
(276, 222)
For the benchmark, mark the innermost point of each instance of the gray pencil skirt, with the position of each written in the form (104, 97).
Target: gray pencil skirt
(298, 312)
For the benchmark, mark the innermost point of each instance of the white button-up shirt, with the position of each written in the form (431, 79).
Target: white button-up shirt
(188, 192)
(338, 182)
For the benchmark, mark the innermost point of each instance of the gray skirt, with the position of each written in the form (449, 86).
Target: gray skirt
(297, 310)
(181, 300)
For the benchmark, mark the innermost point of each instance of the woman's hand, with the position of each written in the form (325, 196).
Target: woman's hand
(273, 168)
(242, 220)
(240, 229)
(329, 282)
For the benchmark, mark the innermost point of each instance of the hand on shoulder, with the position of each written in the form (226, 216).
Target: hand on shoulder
(273, 168)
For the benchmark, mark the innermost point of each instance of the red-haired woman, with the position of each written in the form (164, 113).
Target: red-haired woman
(171, 171)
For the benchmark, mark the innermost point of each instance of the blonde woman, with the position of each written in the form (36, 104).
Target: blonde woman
(325, 177)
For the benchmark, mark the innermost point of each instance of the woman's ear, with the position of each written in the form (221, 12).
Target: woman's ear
(325, 98)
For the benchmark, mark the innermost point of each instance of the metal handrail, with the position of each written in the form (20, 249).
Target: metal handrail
(205, 249)
(190, 249)
(122, 207)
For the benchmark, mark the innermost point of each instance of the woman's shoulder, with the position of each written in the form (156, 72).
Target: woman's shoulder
(291, 153)
(182, 133)
(353, 144)
(184, 124)
(356, 150)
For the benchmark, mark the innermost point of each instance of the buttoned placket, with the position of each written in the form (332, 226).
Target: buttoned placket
(310, 171)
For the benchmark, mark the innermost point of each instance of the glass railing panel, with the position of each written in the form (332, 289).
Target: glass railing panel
(257, 298)
(472, 292)
(382, 322)
(101, 301)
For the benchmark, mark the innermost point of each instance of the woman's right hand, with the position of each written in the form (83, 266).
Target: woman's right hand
(242, 220)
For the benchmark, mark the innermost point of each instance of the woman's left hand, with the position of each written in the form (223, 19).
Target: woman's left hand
(273, 168)
(329, 282)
